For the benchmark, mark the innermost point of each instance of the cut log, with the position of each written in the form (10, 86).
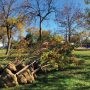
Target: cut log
(8, 79)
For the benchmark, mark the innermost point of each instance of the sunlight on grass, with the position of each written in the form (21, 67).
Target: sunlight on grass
(73, 78)
(87, 53)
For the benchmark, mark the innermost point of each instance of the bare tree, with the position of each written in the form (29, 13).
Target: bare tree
(87, 2)
(41, 9)
(69, 18)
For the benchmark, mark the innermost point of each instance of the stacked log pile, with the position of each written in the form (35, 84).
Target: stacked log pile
(13, 75)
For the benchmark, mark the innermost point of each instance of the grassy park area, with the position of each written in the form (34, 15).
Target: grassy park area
(44, 45)
(72, 78)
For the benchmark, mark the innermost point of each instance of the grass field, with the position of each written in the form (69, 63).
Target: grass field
(73, 78)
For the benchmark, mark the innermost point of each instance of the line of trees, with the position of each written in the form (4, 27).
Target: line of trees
(69, 18)
(14, 16)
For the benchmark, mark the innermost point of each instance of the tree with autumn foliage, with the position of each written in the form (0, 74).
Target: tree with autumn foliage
(9, 19)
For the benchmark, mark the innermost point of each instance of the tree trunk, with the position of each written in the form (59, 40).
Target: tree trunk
(69, 37)
(40, 33)
(40, 30)
(69, 34)
(9, 41)
(3, 41)
(8, 46)
(66, 35)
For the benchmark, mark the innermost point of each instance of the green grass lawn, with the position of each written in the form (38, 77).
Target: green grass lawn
(4, 59)
(73, 78)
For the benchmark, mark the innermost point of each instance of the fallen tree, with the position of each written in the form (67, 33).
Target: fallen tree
(10, 75)
(13, 75)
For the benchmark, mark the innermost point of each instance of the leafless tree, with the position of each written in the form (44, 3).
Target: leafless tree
(69, 18)
(40, 9)
(87, 14)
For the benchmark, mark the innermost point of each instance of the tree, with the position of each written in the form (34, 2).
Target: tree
(69, 18)
(34, 33)
(9, 19)
(84, 38)
(41, 9)
(87, 2)
(29, 38)
(75, 39)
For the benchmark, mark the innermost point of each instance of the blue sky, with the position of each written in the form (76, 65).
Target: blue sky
(51, 24)
(59, 4)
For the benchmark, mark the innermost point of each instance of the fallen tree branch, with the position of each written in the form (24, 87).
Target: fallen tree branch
(39, 68)
(26, 67)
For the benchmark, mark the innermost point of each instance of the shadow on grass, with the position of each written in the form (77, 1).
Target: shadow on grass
(55, 80)
(48, 82)
(62, 80)
(84, 57)
(83, 88)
